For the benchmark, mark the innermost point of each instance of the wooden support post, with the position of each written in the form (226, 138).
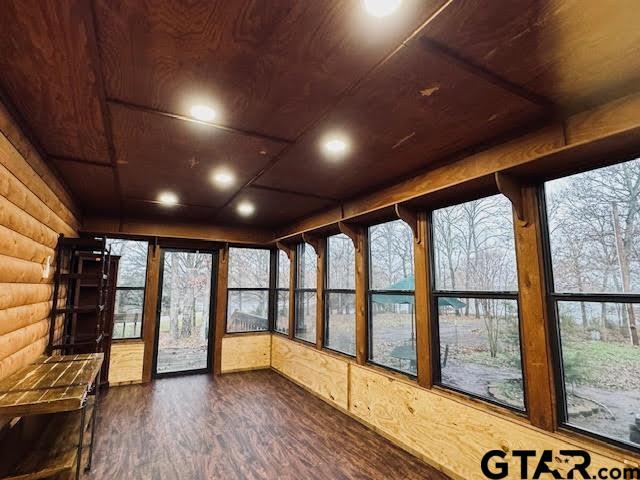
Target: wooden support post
(221, 307)
(423, 302)
(536, 349)
(357, 234)
(321, 251)
(150, 314)
(511, 188)
(292, 292)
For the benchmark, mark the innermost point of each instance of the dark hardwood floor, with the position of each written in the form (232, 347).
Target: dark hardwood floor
(254, 425)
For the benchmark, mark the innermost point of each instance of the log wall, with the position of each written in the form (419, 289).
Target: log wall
(32, 215)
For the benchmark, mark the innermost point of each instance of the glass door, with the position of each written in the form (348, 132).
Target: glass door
(184, 324)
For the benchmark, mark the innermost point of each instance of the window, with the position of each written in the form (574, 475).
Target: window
(594, 239)
(305, 293)
(282, 294)
(340, 295)
(248, 290)
(475, 299)
(130, 287)
(392, 332)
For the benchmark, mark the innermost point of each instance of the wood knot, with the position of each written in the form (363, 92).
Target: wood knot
(427, 92)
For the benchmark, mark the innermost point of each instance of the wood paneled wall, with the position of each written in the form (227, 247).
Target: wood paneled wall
(34, 210)
(446, 432)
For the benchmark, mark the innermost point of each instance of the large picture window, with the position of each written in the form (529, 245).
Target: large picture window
(594, 238)
(340, 295)
(282, 294)
(475, 300)
(248, 290)
(130, 287)
(305, 293)
(391, 298)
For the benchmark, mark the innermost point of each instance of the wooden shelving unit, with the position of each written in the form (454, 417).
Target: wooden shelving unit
(82, 277)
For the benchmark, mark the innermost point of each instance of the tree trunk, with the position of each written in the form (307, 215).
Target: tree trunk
(623, 261)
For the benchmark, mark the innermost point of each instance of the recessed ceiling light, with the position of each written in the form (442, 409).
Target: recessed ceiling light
(335, 146)
(168, 199)
(246, 209)
(381, 8)
(203, 112)
(223, 178)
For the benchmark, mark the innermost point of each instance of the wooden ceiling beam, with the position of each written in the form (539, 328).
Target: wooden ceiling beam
(485, 74)
(98, 67)
(184, 118)
(193, 231)
(594, 138)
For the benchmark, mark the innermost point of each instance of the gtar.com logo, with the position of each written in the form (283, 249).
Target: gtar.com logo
(534, 465)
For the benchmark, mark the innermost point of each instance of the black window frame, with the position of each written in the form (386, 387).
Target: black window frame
(369, 303)
(553, 318)
(299, 292)
(269, 289)
(435, 294)
(277, 290)
(143, 289)
(328, 291)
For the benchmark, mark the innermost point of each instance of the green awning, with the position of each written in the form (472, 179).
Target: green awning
(408, 284)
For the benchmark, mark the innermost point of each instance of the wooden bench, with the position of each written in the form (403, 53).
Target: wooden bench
(57, 388)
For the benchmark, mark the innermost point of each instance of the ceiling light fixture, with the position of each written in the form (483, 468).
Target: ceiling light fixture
(223, 178)
(335, 146)
(203, 113)
(168, 199)
(246, 209)
(381, 8)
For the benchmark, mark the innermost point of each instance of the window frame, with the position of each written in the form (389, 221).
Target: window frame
(143, 288)
(298, 292)
(277, 290)
(553, 319)
(435, 294)
(268, 289)
(328, 291)
(369, 293)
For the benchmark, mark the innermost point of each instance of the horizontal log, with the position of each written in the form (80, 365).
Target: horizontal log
(23, 357)
(18, 194)
(29, 153)
(16, 164)
(18, 339)
(20, 294)
(16, 245)
(17, 318)
(13, 217)
(15, 270)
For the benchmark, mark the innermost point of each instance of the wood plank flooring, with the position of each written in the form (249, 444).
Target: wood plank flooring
(254, 425)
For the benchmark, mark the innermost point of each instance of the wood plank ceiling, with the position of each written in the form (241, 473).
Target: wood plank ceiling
(105, 87)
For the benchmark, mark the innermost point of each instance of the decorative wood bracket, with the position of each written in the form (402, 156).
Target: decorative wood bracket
(354, 232)
(314, 241)
(288, 249)
(511, 188)
(411, 218)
